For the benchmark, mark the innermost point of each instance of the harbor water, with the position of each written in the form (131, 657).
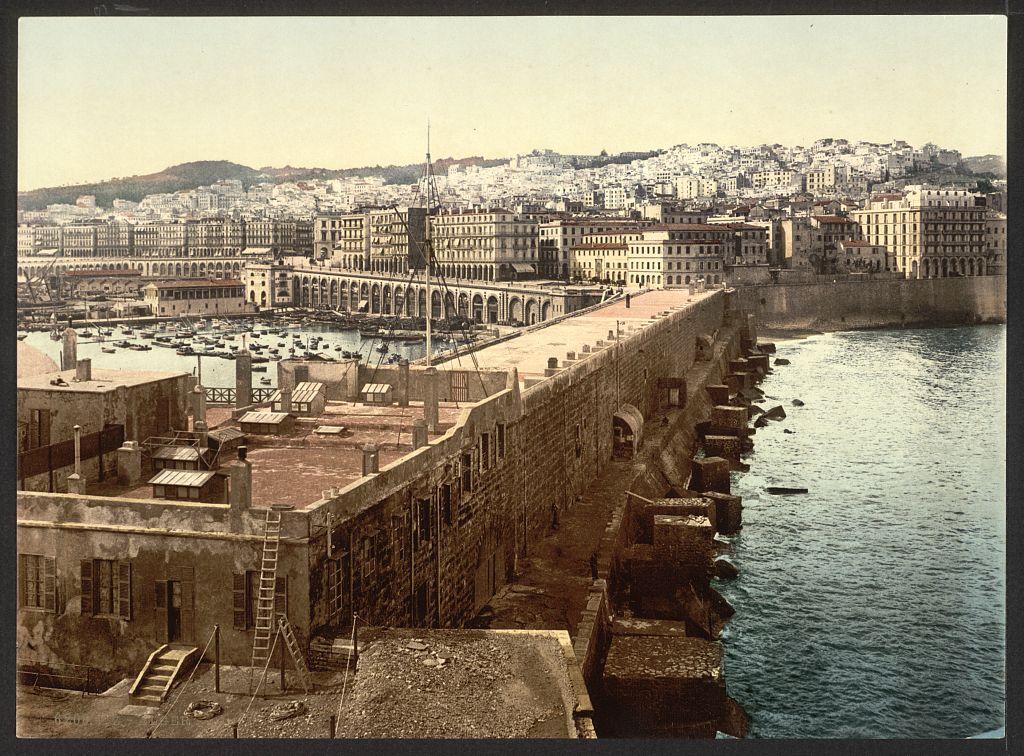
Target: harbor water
(874, 605)
(220, 371)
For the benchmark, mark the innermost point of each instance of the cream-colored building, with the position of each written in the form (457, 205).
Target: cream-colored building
(559, 238)
(995, 241)
(207, 297)
(930, 233)
(268, 284)
(859, 256)
(485, 245)
(675, 255)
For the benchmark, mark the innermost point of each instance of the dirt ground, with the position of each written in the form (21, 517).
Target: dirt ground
(67, 714)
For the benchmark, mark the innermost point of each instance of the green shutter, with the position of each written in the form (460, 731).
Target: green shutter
(86, 574)
(238, 600)
(50, 584)
(124, 590)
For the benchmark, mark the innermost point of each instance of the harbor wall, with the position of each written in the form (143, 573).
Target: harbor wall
(849, 305)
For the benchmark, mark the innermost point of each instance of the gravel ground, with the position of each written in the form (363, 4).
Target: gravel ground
(459, 684)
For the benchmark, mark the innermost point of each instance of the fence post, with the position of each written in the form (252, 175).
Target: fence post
(331, 729)
(234, 730)
(216, 658)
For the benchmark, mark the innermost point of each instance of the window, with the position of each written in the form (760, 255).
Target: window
(38, 582)
(467, 472)
(445, 493)
(423, 522)
(106, 588)
(246, 597)
(38, 429)
(485, 451)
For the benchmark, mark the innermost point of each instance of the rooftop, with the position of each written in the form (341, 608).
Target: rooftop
(421, 683)
(103, 380)
(529, 351)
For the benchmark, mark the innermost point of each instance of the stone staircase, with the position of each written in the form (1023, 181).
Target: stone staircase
(163, 668)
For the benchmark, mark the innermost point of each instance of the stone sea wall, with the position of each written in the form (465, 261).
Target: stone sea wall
(853, 305)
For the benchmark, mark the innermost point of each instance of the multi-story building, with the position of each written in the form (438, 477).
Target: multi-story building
(559, 238)
(778, 179)
(114, 240)
(79, 241)
(810, 242)
(207, 297)
(930, 233)
(161, 239)
(485, 245)
(859, 256)
(397, 240)
(616, 197)
(661, 212)
(678, 255)
(995, 242)
(268, 284)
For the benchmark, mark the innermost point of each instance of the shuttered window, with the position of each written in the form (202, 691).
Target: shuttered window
(238, 602)
(246, 598)
(86, 579)
(38, 582)
(107, 588)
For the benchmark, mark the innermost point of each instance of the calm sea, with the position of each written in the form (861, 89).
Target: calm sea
(874, 606)
(218, 371)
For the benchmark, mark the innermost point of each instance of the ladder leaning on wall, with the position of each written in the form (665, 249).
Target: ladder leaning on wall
(265, 624)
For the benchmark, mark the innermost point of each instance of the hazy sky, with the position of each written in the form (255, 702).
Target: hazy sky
(106, 97)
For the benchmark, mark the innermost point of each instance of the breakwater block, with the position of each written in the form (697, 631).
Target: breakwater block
(664, 686)
(698, 505)
(767, 347)
(735, 382)
(725, 570)
(684, 540)
(727, 419)
(759, 362)
(728, 447)
(728, 511)
(738, 366)
(710, 474)
(781, 361)
(775, 413)
(718, 392)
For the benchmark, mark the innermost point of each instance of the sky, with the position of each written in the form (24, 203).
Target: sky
(101, 98)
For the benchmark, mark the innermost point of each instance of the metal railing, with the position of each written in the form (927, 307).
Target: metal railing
(227, 395)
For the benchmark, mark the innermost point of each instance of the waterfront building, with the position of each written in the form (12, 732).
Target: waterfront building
(268, 284)
(675, 255)
(485, 245)
(397, 237)
(559, 238)
(995, 241)
(930, 233)
(206, 297)
(859, 256)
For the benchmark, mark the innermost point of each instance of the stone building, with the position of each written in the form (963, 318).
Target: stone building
(485, 245)
(420, 531)
(208, 297)
(930, 233)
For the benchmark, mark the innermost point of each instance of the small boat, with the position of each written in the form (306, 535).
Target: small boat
(107, 333)
(783, 490)
(186, 351)
(338, 349)
(259, 358)
(265, 381)
(281, 344)
(108, 350)
(123, 344)
(147, 334)
(259, 369)
(383, 349)
(228, 355)
(22, 336)
(140, 347)
(86, 334)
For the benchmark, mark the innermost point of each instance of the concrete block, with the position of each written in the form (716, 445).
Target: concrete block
(727, 419)
(728, 511)
(710, 474)
(728, 447)
(719, 393)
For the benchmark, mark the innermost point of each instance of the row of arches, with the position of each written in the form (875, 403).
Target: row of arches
(218, 269)
(411, 301)
(943, 267)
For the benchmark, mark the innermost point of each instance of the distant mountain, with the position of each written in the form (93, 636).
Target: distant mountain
(994, 164)
(205, 172)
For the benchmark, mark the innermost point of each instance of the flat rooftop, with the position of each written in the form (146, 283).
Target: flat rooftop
(103, 379)
(421, 683)
(529, 352)
(296, 468)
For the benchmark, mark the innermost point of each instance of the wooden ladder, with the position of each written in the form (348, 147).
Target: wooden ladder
(265, 602)
(292, 643)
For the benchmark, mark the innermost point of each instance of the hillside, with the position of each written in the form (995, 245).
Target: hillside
(205, 172)
(994, 164)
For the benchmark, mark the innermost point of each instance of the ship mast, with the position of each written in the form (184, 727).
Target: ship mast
(427, 185)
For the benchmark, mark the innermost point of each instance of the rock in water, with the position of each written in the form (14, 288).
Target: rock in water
(775, 413)
(725, 569)
(787, 430)
(797, 403)
(781, 361)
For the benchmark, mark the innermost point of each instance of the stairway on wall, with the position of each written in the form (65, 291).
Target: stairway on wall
(163, 668)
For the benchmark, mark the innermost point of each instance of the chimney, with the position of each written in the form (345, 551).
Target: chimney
(243, 379)
(76, 481)
(403, 382)
(83, 370)
(430, 402)
(371, 462)
(419, 433)
(240, 471)
(129, 464)
(69, 349)
(286, 400)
